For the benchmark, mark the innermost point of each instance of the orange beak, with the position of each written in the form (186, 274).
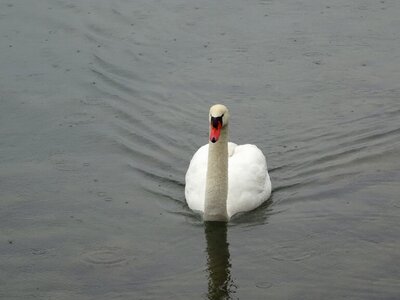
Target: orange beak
(215, 129)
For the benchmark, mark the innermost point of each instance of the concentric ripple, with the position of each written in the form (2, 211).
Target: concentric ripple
(108, 256)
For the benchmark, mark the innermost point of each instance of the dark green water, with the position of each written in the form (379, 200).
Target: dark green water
(103, 103)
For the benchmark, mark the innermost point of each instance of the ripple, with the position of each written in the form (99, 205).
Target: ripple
(264, 285)
(40, 251)
(117, 70)
(157, 177)
(292, 255)
(105, 256)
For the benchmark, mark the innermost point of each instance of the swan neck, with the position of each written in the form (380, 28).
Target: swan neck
(217, 179)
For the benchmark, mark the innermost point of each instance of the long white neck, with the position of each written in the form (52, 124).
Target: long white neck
(217, 179)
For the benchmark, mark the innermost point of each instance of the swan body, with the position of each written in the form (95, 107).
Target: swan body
(223, 178)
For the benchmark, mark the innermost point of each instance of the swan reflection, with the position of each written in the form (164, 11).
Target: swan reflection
(220, 283)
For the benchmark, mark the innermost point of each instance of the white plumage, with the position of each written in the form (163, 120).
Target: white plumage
(249, 184)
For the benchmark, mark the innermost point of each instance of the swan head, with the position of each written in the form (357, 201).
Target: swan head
(219, 119)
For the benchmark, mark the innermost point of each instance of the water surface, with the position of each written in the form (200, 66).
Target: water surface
(102, 105)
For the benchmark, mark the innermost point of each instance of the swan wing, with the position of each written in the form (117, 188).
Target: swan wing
(249, 184)
(195, 179)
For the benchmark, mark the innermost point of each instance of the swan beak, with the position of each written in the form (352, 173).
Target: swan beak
(215, 129)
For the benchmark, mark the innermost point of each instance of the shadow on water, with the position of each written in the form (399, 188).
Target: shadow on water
(220, 282)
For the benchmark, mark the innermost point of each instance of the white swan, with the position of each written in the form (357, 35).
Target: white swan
(223, 178)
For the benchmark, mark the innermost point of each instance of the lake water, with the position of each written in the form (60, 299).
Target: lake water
(103, 103)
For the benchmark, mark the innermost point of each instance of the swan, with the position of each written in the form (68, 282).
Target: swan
(223, 178)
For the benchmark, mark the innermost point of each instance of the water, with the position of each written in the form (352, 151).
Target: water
(102, 105)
